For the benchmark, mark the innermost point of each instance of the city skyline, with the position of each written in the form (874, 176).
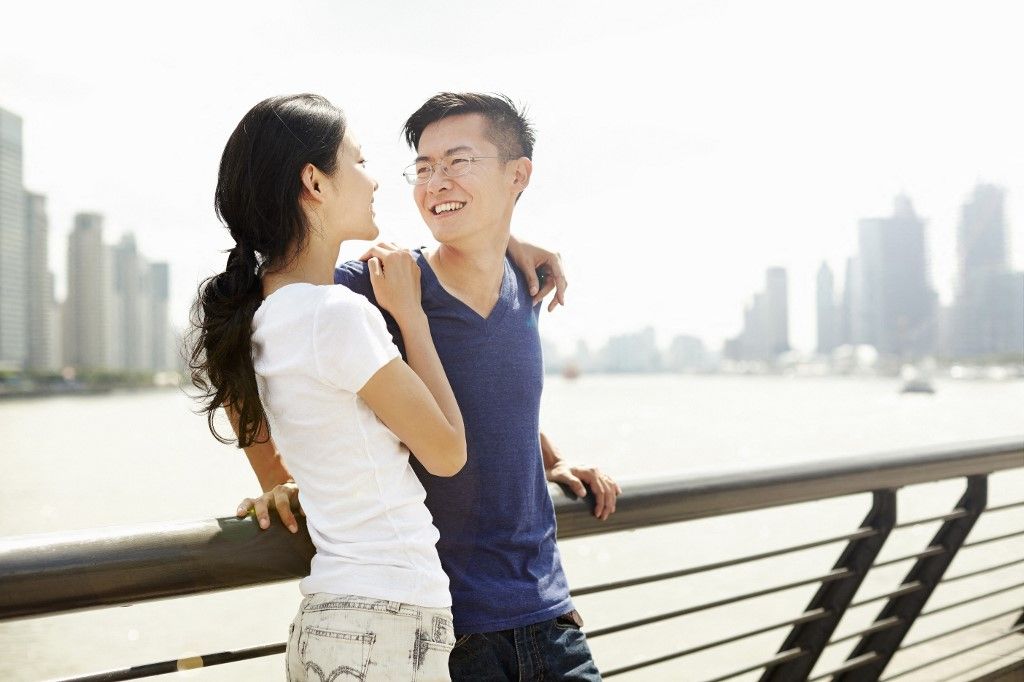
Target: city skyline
(668, 190)
(115, 313)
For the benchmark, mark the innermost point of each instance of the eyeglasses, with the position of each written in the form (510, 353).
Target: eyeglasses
(420, 172)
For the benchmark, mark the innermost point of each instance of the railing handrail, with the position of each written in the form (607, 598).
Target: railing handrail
(58, 572)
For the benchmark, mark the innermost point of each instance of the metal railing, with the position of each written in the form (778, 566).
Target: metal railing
(54, 573)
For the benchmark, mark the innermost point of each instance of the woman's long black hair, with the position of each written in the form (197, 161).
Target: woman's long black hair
(257, 199)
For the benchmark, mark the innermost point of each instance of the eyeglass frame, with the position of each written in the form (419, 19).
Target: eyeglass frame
(414, 179)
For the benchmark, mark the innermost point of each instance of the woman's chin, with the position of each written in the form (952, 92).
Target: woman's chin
(371, 232)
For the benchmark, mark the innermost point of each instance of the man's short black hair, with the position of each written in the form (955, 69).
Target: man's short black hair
(508, 127)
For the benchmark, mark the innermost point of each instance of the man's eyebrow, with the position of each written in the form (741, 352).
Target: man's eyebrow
(453, 150)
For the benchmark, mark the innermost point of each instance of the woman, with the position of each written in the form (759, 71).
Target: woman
(292, 355)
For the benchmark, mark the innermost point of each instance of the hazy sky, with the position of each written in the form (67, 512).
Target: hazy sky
(682, 147)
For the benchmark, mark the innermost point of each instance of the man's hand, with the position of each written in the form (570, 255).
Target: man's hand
(606, 490)
(531, 259)
(284, 497)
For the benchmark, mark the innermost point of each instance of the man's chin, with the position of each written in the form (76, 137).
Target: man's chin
(443, 234)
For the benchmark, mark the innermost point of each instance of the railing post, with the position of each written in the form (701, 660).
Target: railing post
(835, 597)
(928, 571)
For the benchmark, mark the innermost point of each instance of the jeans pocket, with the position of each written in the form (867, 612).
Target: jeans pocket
(433, 646)
(328, 654)
(569, 621)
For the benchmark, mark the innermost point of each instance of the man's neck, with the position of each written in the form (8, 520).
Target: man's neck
(472, 274)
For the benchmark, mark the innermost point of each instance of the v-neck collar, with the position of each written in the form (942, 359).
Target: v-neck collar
(501, 306)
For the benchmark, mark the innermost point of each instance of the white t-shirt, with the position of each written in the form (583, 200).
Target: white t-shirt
(314, 347)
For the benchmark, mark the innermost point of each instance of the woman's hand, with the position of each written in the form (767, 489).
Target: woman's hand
(532, 260)
(395, 278)
(284, 498)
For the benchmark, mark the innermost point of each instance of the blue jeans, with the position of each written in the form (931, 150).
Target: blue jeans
(553, 649)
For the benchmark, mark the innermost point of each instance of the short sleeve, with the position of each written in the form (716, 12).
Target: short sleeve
(355, 275)
(351, 341)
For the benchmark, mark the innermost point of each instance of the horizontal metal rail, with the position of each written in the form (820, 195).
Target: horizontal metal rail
(773, 662)
(934, 550)
(179, 664)
(850, 665)
(997, 538)
(643, 580)
(828, 577)
(958, 652)
(961, 628)
(808, 617)
(970, 600)
(982, 571)
(1001, 507)
(955, 514)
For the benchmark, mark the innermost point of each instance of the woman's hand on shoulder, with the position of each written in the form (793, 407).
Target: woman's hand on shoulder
(283, 497)
(395, 277)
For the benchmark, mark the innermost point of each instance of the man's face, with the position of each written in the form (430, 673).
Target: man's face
(477, 203)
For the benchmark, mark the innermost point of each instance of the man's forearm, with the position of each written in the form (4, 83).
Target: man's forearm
(549, 452)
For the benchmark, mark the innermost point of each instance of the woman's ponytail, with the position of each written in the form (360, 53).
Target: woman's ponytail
(220, 359)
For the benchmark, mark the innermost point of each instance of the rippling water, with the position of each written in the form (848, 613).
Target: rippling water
(82, 462)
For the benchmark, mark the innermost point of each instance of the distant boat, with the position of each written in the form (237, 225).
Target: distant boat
(916, 380)
(570, 370)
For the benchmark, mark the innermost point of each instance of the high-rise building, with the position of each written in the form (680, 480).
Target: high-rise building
(162, 352)
(989, 297)
(765, 333)
(133, 328)
(828, 318)
(637, 352)
(687, 354)
(895, 306)
(13, 247)
(776, 301)
(982, 244)
(87, 308)
(39, 286)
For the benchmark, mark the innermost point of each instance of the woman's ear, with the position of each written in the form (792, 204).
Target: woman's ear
(311, 179)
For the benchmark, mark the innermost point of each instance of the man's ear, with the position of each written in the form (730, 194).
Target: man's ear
(311, 179)
(522, 169)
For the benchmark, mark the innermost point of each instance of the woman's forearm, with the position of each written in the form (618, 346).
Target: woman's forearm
(422, 358)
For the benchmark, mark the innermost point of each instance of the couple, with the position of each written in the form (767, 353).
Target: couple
(466, 525)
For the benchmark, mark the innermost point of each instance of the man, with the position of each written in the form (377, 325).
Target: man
(513, 616)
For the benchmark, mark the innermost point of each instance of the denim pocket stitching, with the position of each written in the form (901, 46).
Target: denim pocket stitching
(462, 640)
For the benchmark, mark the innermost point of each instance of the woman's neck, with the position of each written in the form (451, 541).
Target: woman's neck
(314, 264)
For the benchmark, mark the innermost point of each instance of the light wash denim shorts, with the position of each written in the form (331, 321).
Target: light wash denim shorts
(339, 638)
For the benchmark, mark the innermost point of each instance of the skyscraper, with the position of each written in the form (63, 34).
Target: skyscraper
(130, 297)
(765, 333)
(39, 286)
(87, 309)
(828, 319)
(161, 344)
(13, 246)
(894, 305)
(989, 298)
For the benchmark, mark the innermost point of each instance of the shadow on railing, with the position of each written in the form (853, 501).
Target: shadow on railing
(55, 573)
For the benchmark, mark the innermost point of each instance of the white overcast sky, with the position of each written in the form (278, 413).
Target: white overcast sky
(683, 147)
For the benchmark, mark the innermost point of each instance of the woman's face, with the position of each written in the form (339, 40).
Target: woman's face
(349, 209)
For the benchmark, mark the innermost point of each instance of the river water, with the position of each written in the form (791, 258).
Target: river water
(129, 458)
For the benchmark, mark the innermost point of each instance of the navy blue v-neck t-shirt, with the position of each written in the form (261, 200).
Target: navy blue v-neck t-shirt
(496, 519)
